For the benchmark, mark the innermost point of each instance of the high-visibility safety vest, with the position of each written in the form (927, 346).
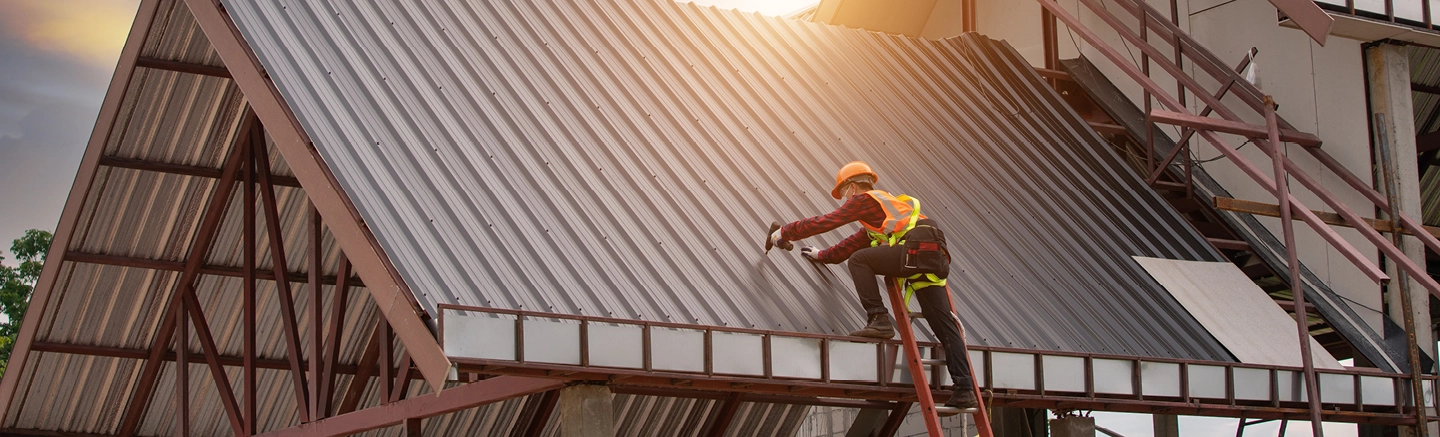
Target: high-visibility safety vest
(902, 213)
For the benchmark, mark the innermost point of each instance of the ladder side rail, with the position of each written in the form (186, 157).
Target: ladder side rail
(912, 357)
(982, 413)
(1309, 217)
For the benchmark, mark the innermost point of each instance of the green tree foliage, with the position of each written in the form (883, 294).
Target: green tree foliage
(16, 283)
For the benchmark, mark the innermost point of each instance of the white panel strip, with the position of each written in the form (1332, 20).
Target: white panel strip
(1236, 311)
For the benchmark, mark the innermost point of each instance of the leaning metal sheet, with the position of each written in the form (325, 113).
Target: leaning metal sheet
(624, 158)
(1240, 315)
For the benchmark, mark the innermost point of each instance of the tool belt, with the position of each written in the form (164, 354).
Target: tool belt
(925, 252)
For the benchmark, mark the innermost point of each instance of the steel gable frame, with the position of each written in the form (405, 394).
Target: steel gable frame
(390, 293)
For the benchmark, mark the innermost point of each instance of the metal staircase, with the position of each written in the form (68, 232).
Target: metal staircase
(1145, 20)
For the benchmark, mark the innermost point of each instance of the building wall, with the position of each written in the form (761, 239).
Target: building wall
(1320, 90)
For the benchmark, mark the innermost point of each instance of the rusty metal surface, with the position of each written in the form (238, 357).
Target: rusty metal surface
(620, 159)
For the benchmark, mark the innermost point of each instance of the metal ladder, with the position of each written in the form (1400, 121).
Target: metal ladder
(903, 318)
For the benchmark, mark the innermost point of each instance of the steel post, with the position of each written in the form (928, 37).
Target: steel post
(1297, 288)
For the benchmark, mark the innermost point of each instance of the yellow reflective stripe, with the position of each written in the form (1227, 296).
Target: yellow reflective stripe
(912, 283)
(911, 221)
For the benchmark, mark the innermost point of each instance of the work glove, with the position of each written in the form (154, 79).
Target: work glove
(775, 240)
(811, 253)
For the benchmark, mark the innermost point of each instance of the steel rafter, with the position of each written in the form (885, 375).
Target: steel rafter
(182, 169)
(369, 361)
(182, 371)
(199, 248)
(536, 415)
(282, 283)
(896, 418)
(179, 266)
(332, 347)
(249, 253)
(317, 312)
(392, 296)
(182, 67)
(217, 371)
(459, 398)
(723, 416)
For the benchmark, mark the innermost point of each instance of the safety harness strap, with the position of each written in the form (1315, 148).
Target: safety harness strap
(919, 281)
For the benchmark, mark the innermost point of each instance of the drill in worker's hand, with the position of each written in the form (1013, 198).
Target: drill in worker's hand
(772, 239)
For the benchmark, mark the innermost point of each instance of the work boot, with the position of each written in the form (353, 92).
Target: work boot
(961, 401)
(880, 326)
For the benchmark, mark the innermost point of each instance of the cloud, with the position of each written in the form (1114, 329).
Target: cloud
(92, 31)
(50, 91)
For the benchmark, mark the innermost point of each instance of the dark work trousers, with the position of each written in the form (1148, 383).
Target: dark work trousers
(867, 263)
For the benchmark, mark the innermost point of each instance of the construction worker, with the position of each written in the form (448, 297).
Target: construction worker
(897, 242)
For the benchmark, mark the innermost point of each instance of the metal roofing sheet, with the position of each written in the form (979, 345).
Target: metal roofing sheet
(175, 118)
(622, 158)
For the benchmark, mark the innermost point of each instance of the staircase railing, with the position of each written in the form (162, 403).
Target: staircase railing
(1267, 138)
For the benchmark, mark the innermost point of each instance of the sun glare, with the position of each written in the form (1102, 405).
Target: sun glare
(767, 7)
(90, 30)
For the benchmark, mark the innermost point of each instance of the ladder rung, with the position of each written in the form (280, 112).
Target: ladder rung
(945, 410)
(916, 315)
(932, 361)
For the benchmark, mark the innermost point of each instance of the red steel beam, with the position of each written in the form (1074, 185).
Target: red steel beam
(182, 67)
(75, 202)
(224, 360)
(390, 293)
(724, 415)
(1306, 14)
(897, 417)
(466, 396)
(1252, 96)
(317, 313)
(1230, 127)
(332, 347)
(402, 378)
(199, 248)
(282, 282)
(1427, 142)
(1329, 234)
(217, 371)
(1292, 259)
(901, 393)
(369, 360)
(181, 169)
(179, 266)
(248, 293)
(386, 359)
(536, 415)
(620, 387)
(182, 372)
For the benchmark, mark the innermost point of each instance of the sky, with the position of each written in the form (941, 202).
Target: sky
(56, 60)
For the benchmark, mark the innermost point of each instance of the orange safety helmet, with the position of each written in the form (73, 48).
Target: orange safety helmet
(853, 169)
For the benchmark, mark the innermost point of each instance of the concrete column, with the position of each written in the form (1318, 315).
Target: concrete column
(586, 411)
(1166, 425)
(1073, 427)
(1392, 114)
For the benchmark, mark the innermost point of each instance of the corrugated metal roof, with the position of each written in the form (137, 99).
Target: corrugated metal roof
(623, 158)
(175, 118)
